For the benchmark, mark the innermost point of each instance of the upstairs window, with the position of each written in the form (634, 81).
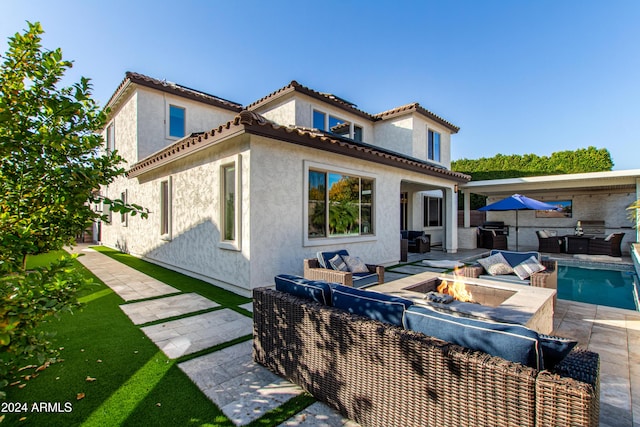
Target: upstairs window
(433, 146)
(176, 121)
(318, 120)
(357, 133)
(111, 138)
(336, 125)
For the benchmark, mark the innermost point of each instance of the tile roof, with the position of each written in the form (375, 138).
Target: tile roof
(173, 88)
(415, 107)
(253, 123)
(294, 86)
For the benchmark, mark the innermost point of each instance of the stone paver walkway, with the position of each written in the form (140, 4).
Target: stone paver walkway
(127, 282)
(244, 390)
(163, 308)
(190, 334)
(241, 388)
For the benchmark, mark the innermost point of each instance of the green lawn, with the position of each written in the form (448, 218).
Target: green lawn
(124, 378)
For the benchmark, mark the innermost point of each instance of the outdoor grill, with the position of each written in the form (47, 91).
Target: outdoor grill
(493, 235)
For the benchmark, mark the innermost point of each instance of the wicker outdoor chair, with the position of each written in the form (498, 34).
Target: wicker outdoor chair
(314, 271)
(602, 246)
(549, 242)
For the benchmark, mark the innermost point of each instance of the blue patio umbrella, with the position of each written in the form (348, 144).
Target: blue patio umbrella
(517, 203)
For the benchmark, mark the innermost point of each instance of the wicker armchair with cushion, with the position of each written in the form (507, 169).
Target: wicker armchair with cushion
(339, 267)
(549, 241)
(609, 245)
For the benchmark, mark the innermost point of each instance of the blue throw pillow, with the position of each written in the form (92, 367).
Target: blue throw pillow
(375, 305)
(315, 290)
(554, 349)
(508, 341)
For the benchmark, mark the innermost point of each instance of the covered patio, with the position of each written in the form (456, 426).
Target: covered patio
(599, 197)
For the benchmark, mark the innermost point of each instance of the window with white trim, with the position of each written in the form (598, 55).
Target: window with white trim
(336, 125)
(111, 138)
(230, 209)
(339, 204)
(165, 209)
(177, 121)
(432, 211)
(433, 145)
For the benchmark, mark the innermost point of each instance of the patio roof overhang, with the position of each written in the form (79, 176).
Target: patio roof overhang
(628, 180)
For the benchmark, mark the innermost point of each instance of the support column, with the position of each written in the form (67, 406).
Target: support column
(450, 243)
(467, 209)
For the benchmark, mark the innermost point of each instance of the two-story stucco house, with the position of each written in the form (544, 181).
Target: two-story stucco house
(239, 194)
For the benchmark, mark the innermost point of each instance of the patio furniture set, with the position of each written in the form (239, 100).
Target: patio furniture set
(385, 360)
(382, 360)
(550, 242)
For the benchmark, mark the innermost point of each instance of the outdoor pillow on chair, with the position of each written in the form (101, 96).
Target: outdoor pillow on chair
(325, 257)
(337, 263)
(355, 264)
(375, 305)
(315, 290)
(527, 267)
(496, 264)
(555, 349)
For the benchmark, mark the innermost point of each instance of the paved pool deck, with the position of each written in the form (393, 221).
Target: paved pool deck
(244, 391)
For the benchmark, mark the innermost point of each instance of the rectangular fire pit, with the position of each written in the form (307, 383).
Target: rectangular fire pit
(504, 302)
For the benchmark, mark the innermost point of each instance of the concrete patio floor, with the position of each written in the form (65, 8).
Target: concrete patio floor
(245, 390)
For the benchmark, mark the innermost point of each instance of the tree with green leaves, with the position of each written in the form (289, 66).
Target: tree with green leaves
(51, 166)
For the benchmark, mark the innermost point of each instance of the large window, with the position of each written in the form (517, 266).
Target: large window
(176, 121)
(336, 125)
(432, 211)
(339, 205)
(165, 209)
(433, 146)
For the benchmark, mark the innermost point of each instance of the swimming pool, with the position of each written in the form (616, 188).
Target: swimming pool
(615, 286)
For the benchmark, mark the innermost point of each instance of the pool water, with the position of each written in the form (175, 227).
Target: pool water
(598, 286)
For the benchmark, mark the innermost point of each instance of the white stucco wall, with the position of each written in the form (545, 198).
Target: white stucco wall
(273, 206)
(125, 129)
(282, 113)
(153, 119)
(396, 134)
(195, 244)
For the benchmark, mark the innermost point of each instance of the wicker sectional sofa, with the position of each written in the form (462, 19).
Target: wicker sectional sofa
(379, 374)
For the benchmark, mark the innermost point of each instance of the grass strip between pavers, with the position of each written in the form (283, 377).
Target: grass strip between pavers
(113, 375)
(178, 280)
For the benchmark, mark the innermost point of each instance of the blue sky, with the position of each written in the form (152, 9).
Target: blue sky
(517, 76)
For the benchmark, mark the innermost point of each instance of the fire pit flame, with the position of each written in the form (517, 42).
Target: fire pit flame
(456, 289)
